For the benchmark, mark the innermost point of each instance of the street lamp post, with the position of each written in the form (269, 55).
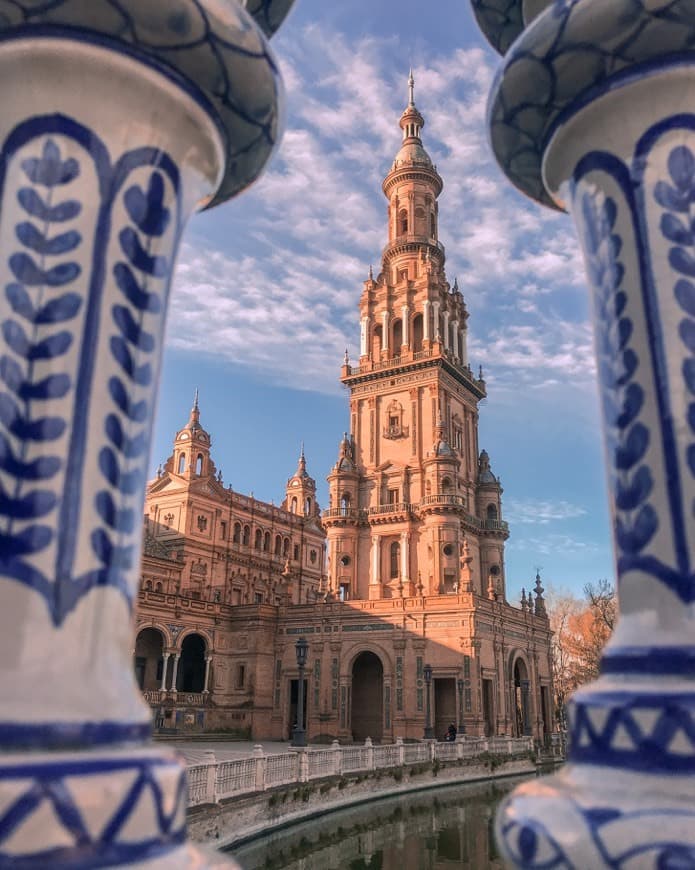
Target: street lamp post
(429, 733)
(301, 649)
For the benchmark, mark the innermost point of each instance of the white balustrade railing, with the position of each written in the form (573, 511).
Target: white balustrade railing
(213, 781)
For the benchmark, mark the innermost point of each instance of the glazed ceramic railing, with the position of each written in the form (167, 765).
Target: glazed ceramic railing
(118, 120)
(214, 781)
(591, 111)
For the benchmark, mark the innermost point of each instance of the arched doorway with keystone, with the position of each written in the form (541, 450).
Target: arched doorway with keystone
(367, 718)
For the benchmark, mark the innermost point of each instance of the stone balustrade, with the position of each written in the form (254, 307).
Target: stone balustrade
(213, 781)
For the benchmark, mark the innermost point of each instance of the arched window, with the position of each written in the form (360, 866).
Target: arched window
(420, 221)
(395, 552)
(307, 507)
(286, 547)
(247, 536)
(182, 463)
(159, 588)
(293, 506)
(446, 485)
(237, 533)
(345, 503)
(199, 464)
(266, 542)
(402, 222)
(258, 541)
(397, 336)
(417, 332)
(148, 586)
(278, 545)
(492, 512)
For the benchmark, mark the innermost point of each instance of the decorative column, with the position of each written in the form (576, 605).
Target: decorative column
(463, 344)
(405, 320)
(375, 577)
(364, 336)
(208, 659)
(385, 330)
(455, 336)
(426, 334)
(590, 113)
(446, 330)
(405, 541)
(118, 121)
(175, 673)
(165, 665)
(435, 309)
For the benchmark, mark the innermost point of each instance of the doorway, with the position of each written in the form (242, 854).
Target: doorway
(444, 705)
(367, 698)
(488, 708)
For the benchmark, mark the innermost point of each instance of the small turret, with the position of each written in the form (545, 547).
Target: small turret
(300, 493)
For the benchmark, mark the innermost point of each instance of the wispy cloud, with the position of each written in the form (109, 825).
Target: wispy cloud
(548, 545)
(281, 294)
(536, 512)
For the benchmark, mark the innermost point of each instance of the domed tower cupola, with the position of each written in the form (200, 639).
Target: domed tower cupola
(191, 456)
(412, 187)
(300, 493)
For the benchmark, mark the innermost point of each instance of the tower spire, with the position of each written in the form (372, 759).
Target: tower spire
(194, 419)
(411, 89)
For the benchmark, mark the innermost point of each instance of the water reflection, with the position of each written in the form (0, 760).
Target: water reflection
(433, 830)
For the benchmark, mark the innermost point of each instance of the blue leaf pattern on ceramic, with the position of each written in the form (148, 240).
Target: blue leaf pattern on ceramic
(622, 396)
(38, 300)
(678, 226)
(122, 461)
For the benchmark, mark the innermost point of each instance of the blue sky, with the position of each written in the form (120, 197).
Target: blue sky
(266, 291)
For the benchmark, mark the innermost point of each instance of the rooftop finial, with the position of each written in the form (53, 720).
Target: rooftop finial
(411, 88)
(195, 399)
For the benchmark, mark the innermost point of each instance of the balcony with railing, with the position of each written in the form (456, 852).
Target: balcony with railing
(408, 239)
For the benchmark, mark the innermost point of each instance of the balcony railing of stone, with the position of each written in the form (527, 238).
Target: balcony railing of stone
(213, 781)
(339, 513)
(413, 239)
(401, 507)
(495, 525)
(155, 697)
(445, 500)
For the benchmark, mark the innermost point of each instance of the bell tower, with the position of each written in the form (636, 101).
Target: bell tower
(408, 515)
(300, 492)
(191, 457)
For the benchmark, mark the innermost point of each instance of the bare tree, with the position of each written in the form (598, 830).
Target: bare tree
(581, 629)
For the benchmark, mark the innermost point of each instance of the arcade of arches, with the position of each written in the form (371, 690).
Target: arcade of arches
(404, 569)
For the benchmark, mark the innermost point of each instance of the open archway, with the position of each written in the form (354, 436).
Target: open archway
(367, 697)
(521, 707)
(191, 673)
(149, 648)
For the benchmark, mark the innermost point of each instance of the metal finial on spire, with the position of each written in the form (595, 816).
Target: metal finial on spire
(371, 273)
(195, 399)
(301, 451)
(411, 88)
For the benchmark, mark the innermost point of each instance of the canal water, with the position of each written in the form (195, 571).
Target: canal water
(430, 830)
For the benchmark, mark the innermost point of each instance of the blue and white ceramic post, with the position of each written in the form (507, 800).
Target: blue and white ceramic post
(593, 110)
(117, 120)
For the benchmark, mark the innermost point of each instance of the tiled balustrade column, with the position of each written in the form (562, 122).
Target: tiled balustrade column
(592, 111)
(117, 121)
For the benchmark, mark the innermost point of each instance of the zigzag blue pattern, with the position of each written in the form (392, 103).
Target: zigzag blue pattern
(56, 784)
(39, 303)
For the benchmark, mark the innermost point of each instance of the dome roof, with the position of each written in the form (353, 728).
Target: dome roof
(412, 152)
